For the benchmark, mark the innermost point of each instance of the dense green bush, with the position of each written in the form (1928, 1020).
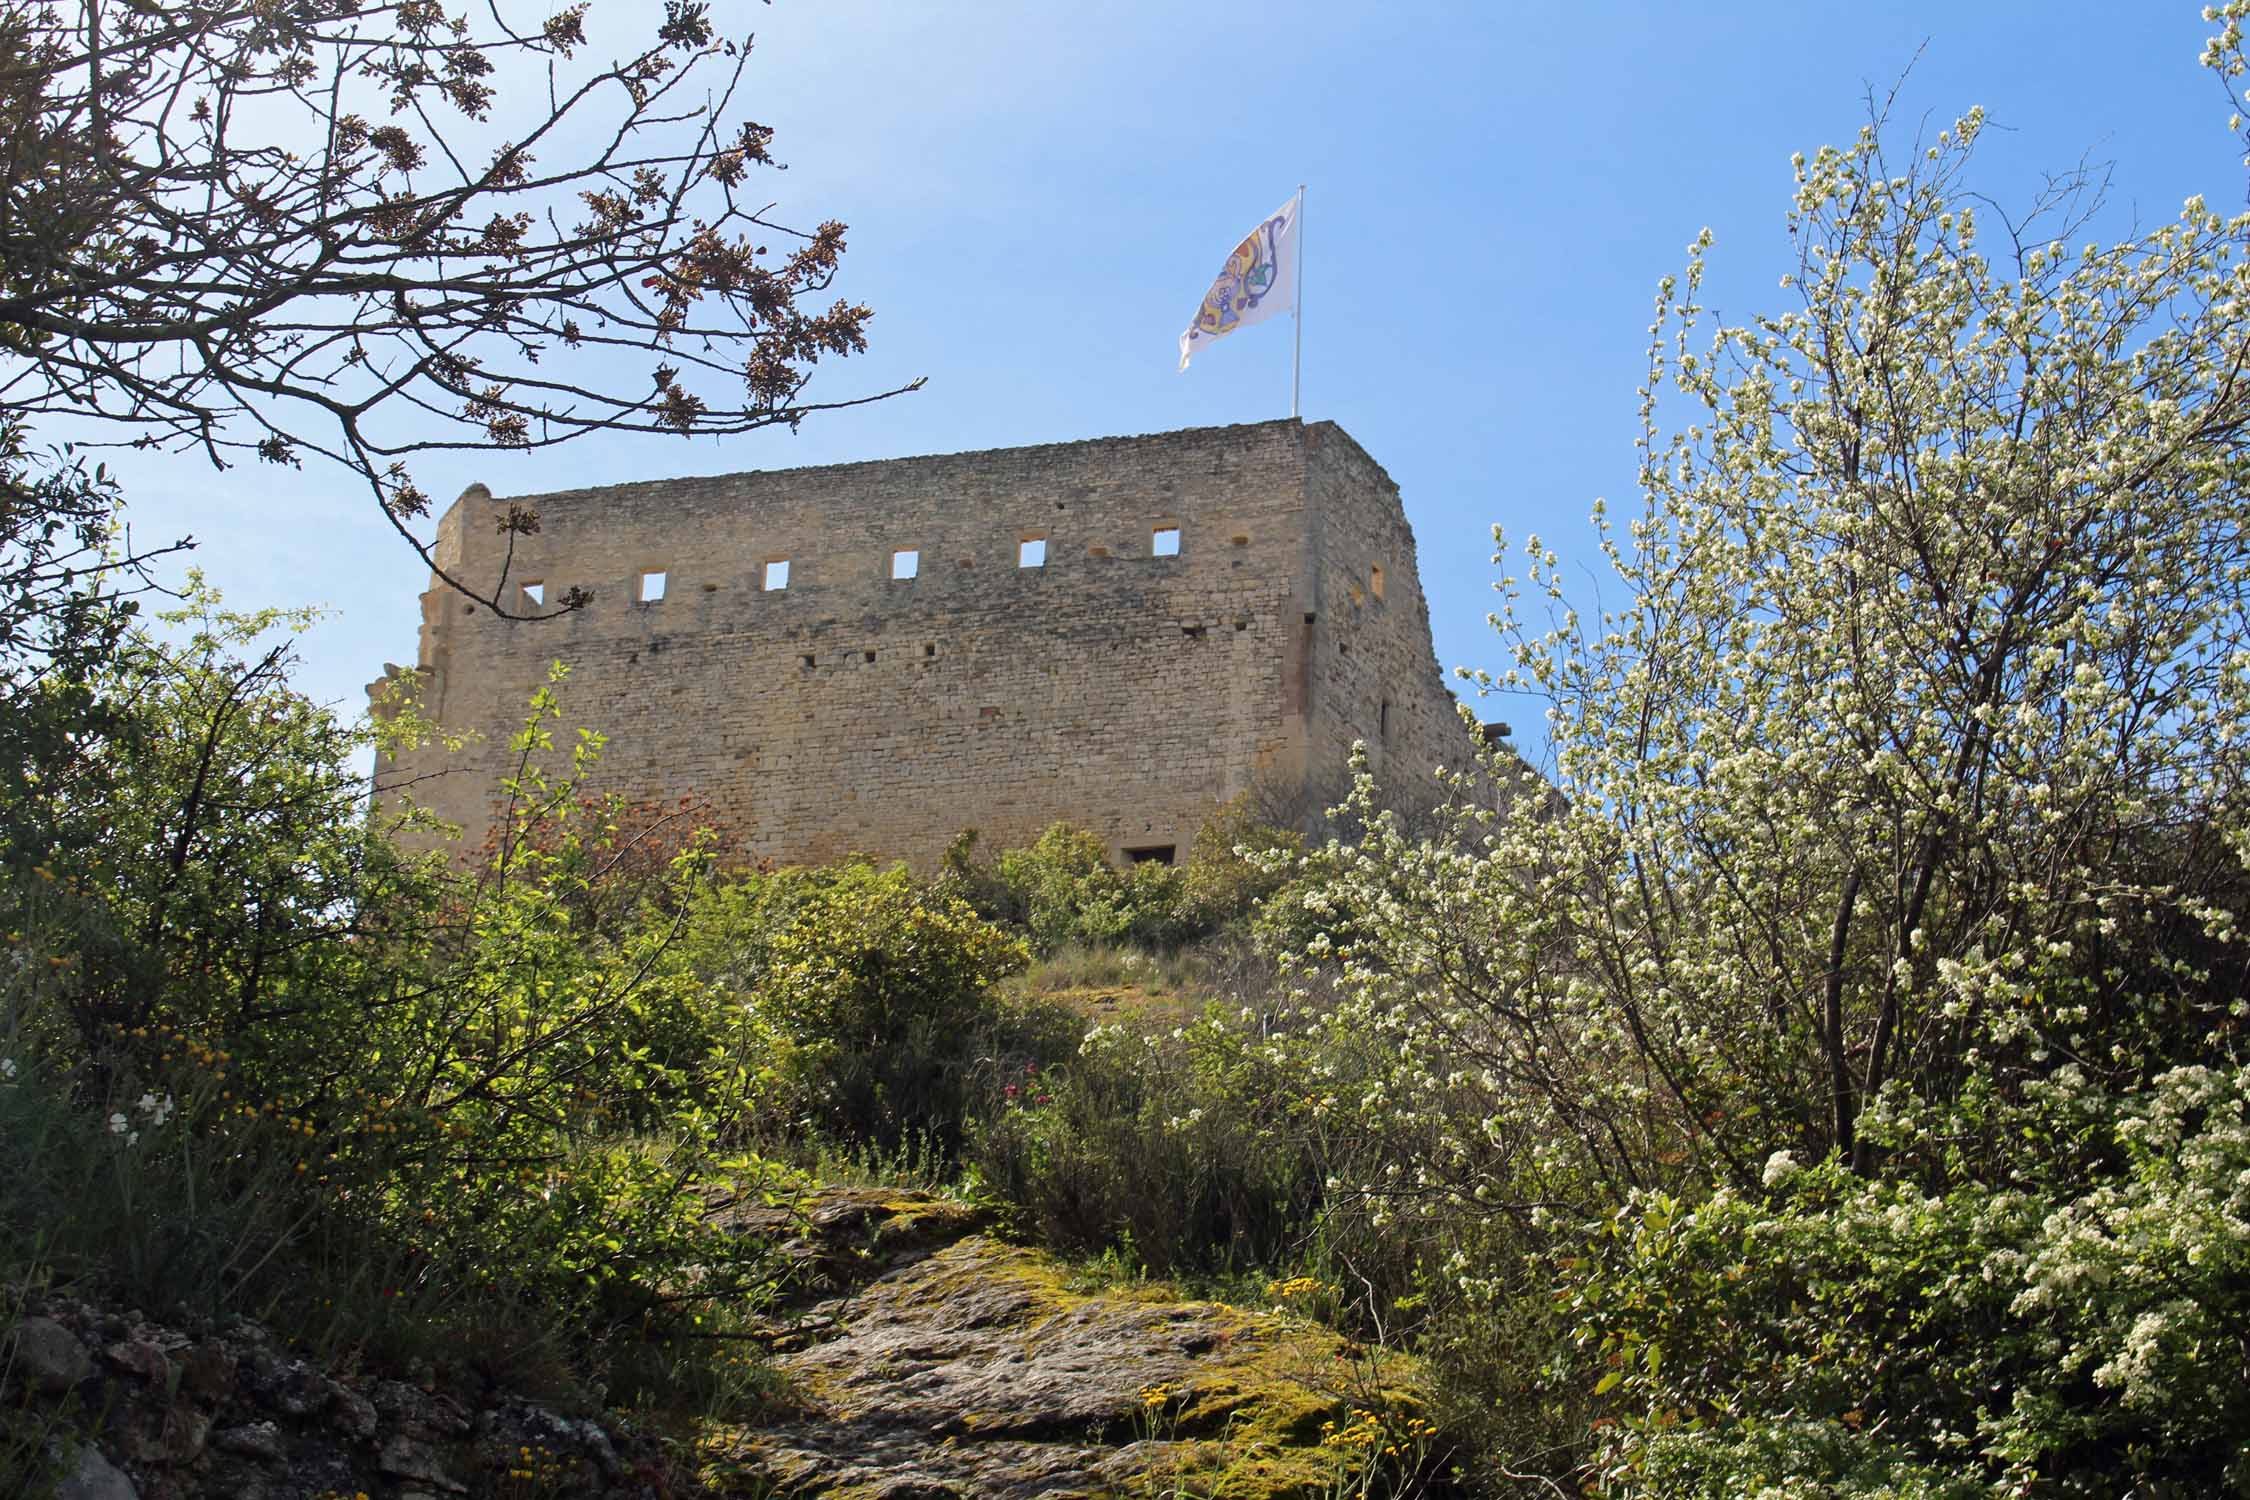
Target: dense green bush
(1064, 893)
(2044, 1330)
(452, 1084)
(872, 996)
(1069, 892)
(194, 838)
(1235, 863)
(1188, 1149)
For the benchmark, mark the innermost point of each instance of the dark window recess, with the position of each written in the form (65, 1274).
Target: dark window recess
(871, 658)
(929, 651)
(1383, 721)
(1192, 632)
(1158, 854)
(808, 661)
(1343, 648)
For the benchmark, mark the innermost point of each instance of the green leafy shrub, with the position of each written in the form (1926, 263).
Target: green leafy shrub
(1235, 863)
(1066, 888)
(877, 994)
(1190, 1148)
(197, 845)
(963, 876)
(2041, 1334)
(1064, 892)
(427, 1097)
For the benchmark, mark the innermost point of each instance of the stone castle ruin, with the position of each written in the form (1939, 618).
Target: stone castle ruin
(872, 657)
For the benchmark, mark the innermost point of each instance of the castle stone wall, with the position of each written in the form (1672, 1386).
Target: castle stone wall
(852, 711)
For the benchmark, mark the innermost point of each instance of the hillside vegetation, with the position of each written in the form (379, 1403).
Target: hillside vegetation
(1829, 1081)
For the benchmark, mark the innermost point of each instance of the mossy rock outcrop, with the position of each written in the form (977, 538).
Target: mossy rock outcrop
(976, 1372)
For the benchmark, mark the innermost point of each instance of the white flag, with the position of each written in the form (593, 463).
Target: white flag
(1258, 280)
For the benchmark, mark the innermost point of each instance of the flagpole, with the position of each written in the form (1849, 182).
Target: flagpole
(1297, 361)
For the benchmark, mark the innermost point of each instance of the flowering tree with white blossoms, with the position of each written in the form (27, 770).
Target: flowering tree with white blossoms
(1900, 842)
(1920, 748)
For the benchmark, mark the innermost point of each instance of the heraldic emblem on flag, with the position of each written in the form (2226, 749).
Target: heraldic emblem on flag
(1258, 280)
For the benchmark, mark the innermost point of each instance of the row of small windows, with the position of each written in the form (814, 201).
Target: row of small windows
(650, 586)
(906, 564)
(1031, 552)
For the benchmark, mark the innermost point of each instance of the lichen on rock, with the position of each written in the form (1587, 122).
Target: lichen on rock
(976, 1372)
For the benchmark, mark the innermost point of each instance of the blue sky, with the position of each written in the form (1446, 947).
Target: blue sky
(1038, 194)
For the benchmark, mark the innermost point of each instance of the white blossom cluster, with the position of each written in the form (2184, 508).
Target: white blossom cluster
(151, 1112)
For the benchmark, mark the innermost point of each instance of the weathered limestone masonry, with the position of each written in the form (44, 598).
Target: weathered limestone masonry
(825, 704)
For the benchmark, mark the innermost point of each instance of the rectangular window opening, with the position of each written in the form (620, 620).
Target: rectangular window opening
(1375, 581)
(1159, 854)
(870, 658)
(1164, 541)
(808, 661)
(777, 574)
(1383, 722)
(535, 591)
(1031, 552)
(652, 586)
(906, 562)
(1240, 539)
(929, 651)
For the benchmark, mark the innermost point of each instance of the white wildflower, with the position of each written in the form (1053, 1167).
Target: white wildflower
(1780, 1167)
